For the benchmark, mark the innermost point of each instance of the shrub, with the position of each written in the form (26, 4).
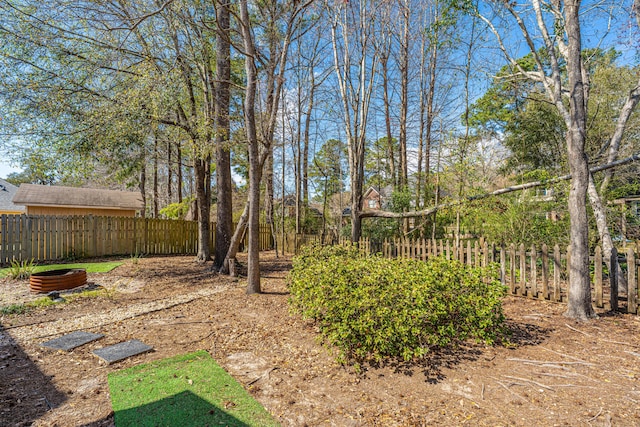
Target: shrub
(371, 308)
(20, 270)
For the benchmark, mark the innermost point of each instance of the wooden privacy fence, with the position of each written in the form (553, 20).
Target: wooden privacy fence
(533, 272)
(50, 238)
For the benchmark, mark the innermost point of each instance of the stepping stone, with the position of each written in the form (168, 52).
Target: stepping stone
(114, 353)
(72, 340)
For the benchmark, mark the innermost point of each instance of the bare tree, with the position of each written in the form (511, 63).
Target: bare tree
(356, 58)
(563, 43)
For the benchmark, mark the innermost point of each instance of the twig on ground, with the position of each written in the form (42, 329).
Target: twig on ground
(549, 362)
(511, 391)
(568, 356)
(596, 416)
(601, 339)
(558, 376)
(530, 381)
(578, 330)
(264, 374)
(482, 392)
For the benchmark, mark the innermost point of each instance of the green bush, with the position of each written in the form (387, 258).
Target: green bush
(371, 308)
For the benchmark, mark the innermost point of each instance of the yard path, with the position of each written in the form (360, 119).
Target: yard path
(97, 319)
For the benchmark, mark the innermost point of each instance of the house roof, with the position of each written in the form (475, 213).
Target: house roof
(71, 197)
(7, 191)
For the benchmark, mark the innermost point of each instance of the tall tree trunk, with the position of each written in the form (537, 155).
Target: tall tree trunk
(236, 239)
(404, 99)
(203, 205)
(600, 216)
(224, 218)
(433, 60)
(143, 185)
(155, 175)
(268, 187)
(384, 60)
(306, 142)
(180, 176)
(579, 305)
(169, 172)
(253, 268)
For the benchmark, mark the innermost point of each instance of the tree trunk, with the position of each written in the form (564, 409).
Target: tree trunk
(224, 218)
(179, 162)
(169, 173)
(579, 304)
(155, 175)
(387, 118)
(404, 100)
(234, 246)
(253, 273)
(600, 216)
(143, 184)
(200, 171)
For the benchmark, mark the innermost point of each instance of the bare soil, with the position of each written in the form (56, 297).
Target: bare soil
(555, 372)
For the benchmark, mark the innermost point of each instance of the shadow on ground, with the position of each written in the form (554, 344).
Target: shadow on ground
(457, 353)
(26, 393)
(184, 409)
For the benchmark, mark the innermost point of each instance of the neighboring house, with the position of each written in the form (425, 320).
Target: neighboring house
(7, 191)
(57, 200)
(373, 198)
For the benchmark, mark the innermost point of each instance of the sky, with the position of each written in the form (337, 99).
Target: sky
(6, 169)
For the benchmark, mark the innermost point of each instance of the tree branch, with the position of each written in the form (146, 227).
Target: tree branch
(425, 212)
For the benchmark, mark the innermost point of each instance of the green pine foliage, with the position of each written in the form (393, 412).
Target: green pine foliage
(371, 308)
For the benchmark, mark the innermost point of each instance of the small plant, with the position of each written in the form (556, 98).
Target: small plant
(14, 309)
(41, 303)
(21, 270)
(135, 258)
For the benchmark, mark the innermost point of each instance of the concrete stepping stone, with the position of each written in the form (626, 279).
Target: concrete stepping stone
(70, 341)
(114, 353)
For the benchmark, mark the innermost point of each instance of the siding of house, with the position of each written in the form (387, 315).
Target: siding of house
(10, 212)
(7, 191)
(60, 211)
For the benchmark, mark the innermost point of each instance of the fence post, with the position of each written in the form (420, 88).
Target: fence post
(545, 271)
(503, 265)
(3, 239)
(522, 290)
(485, 256)
(476, 252)
(632, 291)
(597, 276)
(613, 279)
(534, 272)
(557, 265)
(512, 268)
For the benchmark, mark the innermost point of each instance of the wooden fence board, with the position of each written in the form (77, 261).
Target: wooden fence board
(52, 238)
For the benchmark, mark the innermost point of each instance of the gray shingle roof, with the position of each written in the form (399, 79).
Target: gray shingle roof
(7, 191)
(44, 195)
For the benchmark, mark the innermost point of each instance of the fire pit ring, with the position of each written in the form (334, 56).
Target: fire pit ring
(57, 280)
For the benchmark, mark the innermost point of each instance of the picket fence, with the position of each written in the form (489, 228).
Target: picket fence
(52, 238)
(537, 272)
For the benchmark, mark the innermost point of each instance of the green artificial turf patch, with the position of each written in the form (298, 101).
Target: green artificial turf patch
(187, 390)
(90, 267)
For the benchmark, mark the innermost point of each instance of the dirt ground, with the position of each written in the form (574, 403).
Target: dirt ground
(554, 373)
